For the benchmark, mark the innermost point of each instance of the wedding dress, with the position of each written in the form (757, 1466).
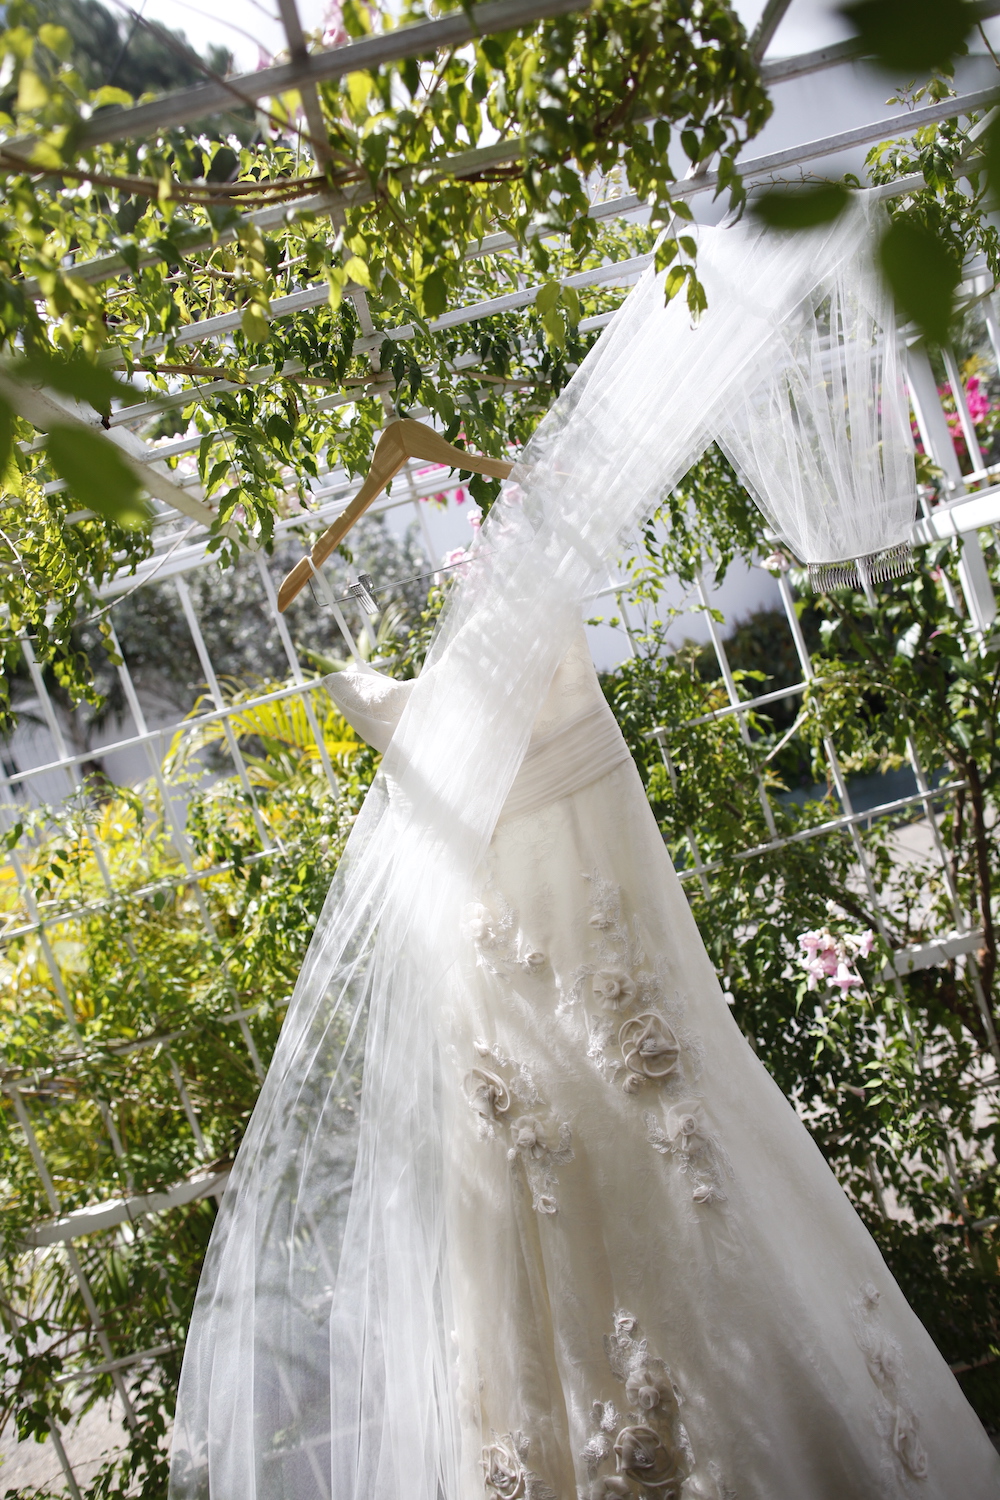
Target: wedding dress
(519, 1213)
(659, 1287)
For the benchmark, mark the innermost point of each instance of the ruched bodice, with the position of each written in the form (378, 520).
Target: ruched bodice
(575, 740)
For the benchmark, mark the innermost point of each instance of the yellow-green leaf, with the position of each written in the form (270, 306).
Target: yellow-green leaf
(57, 39)
(97, 475)
(44, 154)
(358, 88)
(6, 435)
(255, 325)
(356, 269)
(435, 294)
(547, 296)
(108, 94)
(335, 276)
(31, 91)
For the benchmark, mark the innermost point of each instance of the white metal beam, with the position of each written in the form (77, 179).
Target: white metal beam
(98, 1216)
(44, 411)
(419, 40)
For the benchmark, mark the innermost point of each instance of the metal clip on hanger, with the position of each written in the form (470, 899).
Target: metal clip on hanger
(364, 592)
(402, 440)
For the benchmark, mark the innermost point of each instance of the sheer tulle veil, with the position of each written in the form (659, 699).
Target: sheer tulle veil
(319, 1362)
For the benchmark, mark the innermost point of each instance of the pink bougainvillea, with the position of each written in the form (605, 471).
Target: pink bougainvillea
(984, 413)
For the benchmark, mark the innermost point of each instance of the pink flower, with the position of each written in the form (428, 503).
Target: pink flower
(334, 30)
(979, 407)
(826, 957)
(844, 980)
(456, 561)
(976, 400)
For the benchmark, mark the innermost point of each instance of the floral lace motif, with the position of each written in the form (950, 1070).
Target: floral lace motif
(698, 1153)
(501, 948)
(635, 1035)
(884, 1358)
(637, 1039)
(505, 1471)
(648, 1446)
(536, 1143)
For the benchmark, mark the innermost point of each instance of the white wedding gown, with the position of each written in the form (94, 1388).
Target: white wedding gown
(658, 1287)
(519, 1213)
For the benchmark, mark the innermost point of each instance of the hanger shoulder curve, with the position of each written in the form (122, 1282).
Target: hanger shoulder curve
(402, 440)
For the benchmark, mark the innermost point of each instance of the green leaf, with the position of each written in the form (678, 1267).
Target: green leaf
(800, 207)
(923, 274)
(224, 165)
(76, 377)
(675, 279)
(6, 436)
(255, 326)
(358, 272)
(991, 151)
(98, 476)
(555, 326)
(435, 294)
(31, 91)
(908, 37)
(108, 94)
(58, 40)
(547, 296)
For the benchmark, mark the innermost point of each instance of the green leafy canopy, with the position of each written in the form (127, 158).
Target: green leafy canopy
(412, 152)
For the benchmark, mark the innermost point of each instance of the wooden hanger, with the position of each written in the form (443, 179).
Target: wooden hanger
(401, 440)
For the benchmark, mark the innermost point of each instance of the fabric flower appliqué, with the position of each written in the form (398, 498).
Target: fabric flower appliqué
(530, 1141)
(536, 1146)
(505, 1470)
(477, 924)
(487, 1094)
(500, 945)
(884, 1358)
(613, 988)
(650, 1049)
(633, 1035)
(641, 1454)
(645, 1452)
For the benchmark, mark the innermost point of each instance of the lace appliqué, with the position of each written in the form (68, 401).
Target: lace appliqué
(506, 1101)
(698, 1153)
(645, 1452)
(635, 1034)
(501, 947)
(884, 1358)
(505, 1472)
